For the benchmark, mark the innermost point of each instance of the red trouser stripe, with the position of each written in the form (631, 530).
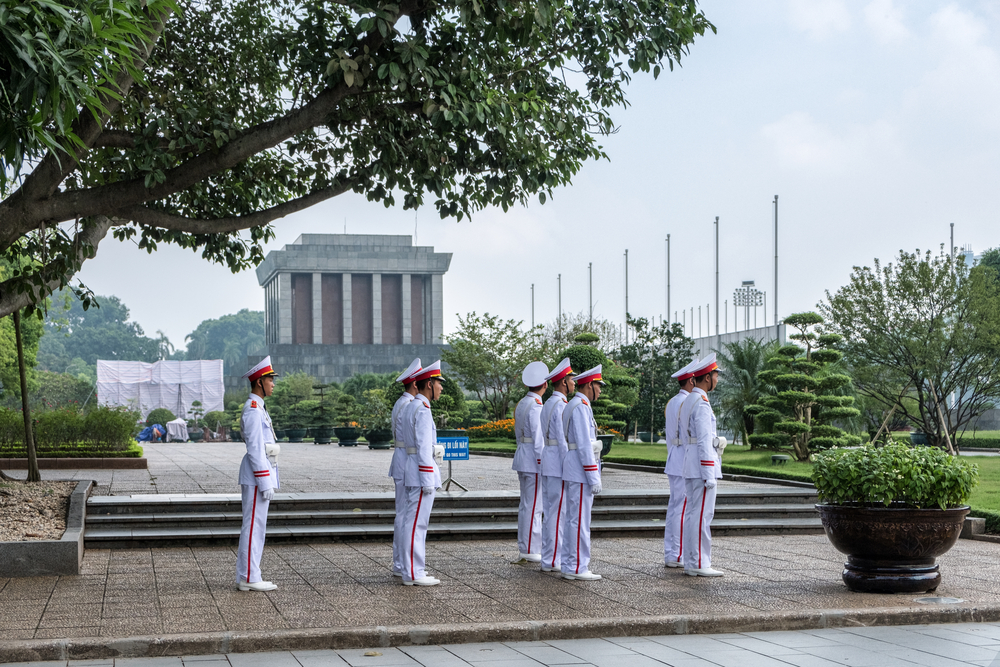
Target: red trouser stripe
(413, 532)
(701, 518)
(579, 521)
(680, 538)
(253, 517)
(531, 525)
(555, 547)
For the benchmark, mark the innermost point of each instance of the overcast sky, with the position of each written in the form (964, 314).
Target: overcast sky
(876, 123)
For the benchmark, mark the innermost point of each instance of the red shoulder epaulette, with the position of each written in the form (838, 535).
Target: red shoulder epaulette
(253, 404)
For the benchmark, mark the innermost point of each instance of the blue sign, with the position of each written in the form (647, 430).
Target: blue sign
(455, 449)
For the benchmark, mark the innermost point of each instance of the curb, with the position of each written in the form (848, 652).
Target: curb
(80, 463)
(412, 635)
(46, 558)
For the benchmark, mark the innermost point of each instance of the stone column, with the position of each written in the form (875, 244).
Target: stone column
(437, 308)
(348, 332)
(317, 307)
(377, 308)
(407, 330)
(284, 308)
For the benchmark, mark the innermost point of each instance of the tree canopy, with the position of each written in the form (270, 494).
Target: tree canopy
(200, 122)
(230, 338)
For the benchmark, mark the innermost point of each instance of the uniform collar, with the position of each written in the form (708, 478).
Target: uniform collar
(255, 397)
(698, 390)
(426, 401)
(531, 393)
(559, 394)
(683, 391)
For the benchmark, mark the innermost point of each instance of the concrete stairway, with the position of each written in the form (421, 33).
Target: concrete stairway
(164, 520)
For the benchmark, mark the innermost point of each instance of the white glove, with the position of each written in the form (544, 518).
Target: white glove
(595, 489)
(268, 494)
(428, 490)
(710, 483)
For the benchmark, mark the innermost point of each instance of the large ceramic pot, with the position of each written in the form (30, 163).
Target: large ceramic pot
(279, 434)
(347, 436)
(322, 434)
(296, 434)
(918, 438)
(645, 436)
(195, 434)
(891, 549)
(450, 433)
(379, 438)
(605, 443)
(234, 435)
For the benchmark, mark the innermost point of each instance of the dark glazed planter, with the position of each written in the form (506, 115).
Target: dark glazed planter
(450, 433)
(891, 549)
(379, 438)
(606, 441)
(645, 436)
(279, 434)
(296, 434)
(195, 435)
(321, 435)
(918, 438)
(347, 436)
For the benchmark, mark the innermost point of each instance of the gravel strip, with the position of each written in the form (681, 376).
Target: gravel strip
(33, 510)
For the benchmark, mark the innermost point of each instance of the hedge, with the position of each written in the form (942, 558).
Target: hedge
(979, 443)
(134, 451)
(104, 431)
(992, 518)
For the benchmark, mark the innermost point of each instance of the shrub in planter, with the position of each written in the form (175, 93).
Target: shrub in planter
(214, 419)
(893, 510)
(160, 416)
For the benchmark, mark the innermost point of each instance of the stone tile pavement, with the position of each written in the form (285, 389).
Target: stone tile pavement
(126, 593)
(305, 468)
(954, 645)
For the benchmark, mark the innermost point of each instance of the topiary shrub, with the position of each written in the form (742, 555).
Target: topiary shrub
(110, 428)
(215, 418)
(57, 428)
(160, 416)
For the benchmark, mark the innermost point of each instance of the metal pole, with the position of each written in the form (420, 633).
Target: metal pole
(559, 279)
(725, 309)
(775, 260)
(716, 279)
(765, 308)
(532, 305)
(626, 296)
(699, 321)
(590, 293)
(708, 321)
(668, 276)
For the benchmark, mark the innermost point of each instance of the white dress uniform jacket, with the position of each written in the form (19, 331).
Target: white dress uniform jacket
(255, 426)
(398, 464)
(420, 435)
(581, 464)
(528, 432)
(555, 435)
(675, 442)
(701, 459)
(673, 525)
(553, 502)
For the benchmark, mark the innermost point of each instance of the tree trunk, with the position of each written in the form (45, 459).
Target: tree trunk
(29, 441)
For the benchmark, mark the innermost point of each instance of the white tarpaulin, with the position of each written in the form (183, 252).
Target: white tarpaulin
(177, 430)
(173, 385)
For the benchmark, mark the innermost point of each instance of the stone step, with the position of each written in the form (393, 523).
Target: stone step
(472, 514)
(105, 538)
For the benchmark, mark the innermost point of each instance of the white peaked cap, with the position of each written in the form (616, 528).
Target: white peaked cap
(685, 370)
(410, 371)
(561, 370)
(260, 370)
(704, 365)
(534, 374)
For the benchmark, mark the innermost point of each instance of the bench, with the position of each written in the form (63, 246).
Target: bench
(780, 459)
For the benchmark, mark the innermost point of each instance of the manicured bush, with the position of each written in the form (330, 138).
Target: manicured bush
(979, 443)
(912, 476)
(492, 430)
(160, 416)
(55, 428)
(67, 432)
(215, 417)
(111, 429)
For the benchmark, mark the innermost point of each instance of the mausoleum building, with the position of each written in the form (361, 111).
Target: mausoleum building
(341, 304)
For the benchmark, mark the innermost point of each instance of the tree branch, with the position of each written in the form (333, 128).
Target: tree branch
(153, 218)
(86, 242)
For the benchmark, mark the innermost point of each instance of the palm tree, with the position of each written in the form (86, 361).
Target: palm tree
(166, 348)
(742, 361)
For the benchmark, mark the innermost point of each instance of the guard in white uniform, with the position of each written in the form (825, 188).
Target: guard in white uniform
(421, 476)
(398, 464)
(702, 467)
(528, 462)
(553, 500)
(582, 476)
(258, 478)
(675, 469)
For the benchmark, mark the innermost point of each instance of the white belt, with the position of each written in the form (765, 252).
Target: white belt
(527, 441)
(571, 446)
(400, 446)
(411, 450)
(551, 442)
(676, 441)
(692, 441)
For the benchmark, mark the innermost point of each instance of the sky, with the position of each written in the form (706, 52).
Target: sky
(875, 122)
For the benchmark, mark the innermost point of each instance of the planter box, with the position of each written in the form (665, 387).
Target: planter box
(46, 558)
(82, 463)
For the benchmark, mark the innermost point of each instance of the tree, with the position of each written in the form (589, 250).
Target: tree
(927, 326)
(655, 352)
(487, 356)
(803, 411)
(358, 384)
(191, 122)
(31, 335)
(559, 332)
(742, 386)
(611, 410)
(991, 259)
(90, 334)
(230, 338)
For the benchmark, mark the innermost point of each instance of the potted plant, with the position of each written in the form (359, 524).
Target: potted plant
(376, 418)
(892, 510)
(195, 430)
(322, 431)
(295, 421)
(347, 419)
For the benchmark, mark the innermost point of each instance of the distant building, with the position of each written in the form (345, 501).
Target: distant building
(341, 304)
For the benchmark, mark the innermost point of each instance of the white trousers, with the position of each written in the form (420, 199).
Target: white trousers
(529, 514)
(397, 526)
(697, 519)
(576, 527)
(553, 504)
(674, 527)
(251, 535)
(416, 517)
